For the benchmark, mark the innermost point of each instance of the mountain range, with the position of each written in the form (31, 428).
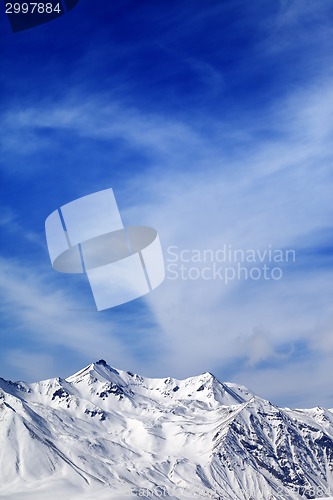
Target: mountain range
(106, 433)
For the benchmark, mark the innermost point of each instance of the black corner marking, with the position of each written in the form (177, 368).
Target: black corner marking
(34, 13)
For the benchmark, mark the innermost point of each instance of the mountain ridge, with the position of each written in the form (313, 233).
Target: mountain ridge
(105, 431)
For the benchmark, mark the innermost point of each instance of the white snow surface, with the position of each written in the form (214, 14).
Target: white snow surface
(104, 433)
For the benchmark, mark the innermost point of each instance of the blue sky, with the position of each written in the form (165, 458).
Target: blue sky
(212, 122)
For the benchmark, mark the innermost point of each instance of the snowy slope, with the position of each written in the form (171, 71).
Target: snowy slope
(107, 433)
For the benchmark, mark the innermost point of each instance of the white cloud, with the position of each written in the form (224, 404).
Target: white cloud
(9, 222)
(302, 383)
(269, 192)
(42, 313)
(31, 365)
(112, 121)
(278, 194)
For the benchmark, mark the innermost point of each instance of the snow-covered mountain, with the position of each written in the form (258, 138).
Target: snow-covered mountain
(106, 433)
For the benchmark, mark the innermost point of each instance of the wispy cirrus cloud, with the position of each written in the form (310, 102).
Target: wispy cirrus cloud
(273, 191)
(52, 321)
(212, 147)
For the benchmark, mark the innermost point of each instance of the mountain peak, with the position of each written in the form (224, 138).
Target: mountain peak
(102, 426)
(101, 362)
